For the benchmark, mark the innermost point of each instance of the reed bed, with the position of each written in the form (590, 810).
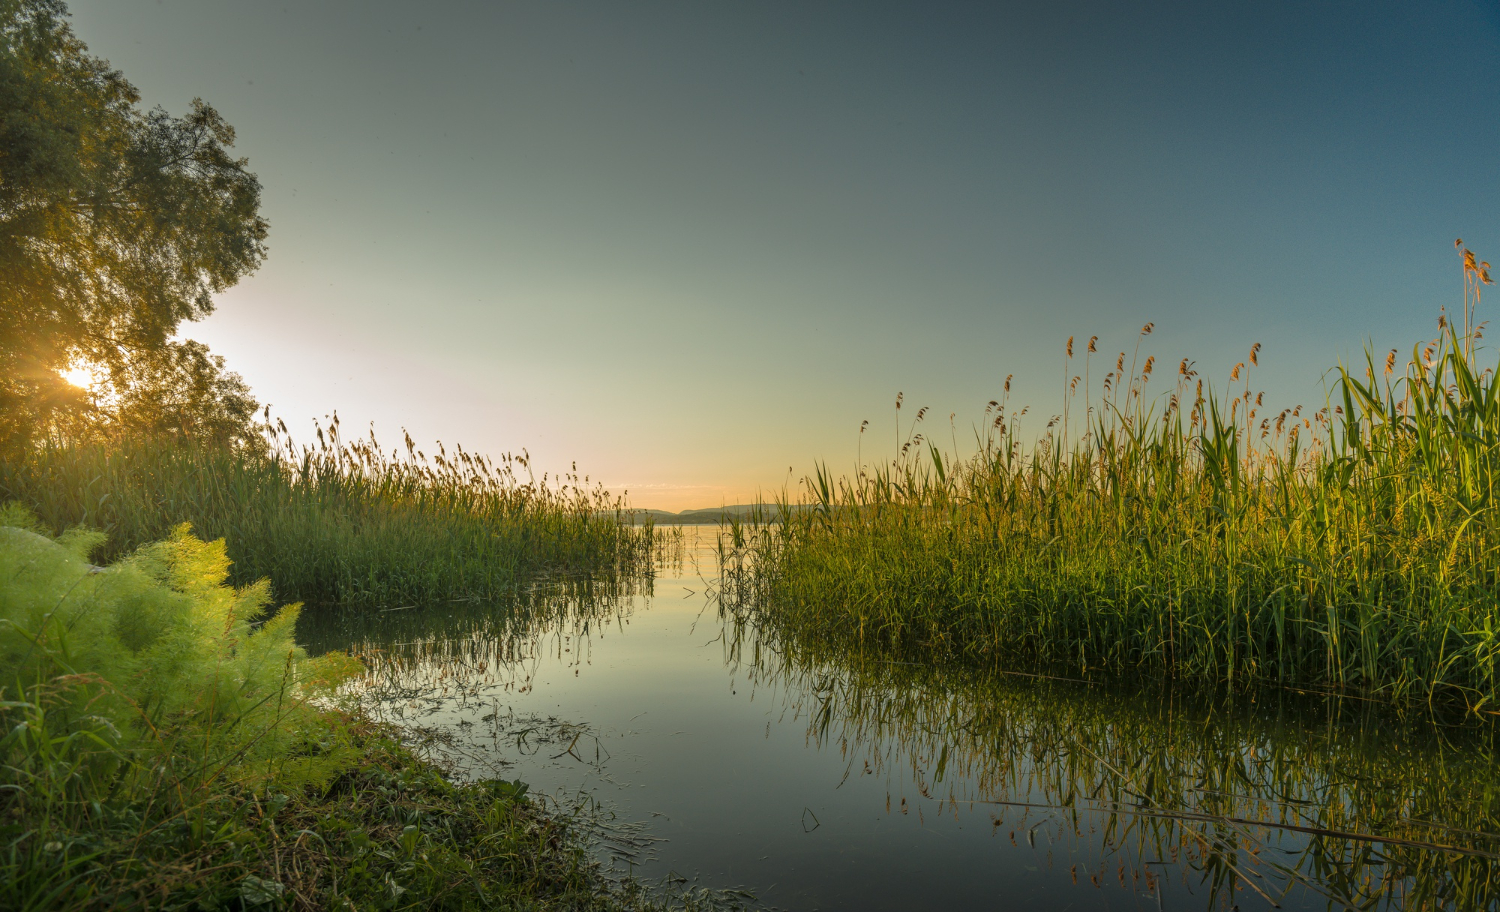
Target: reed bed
(1189, 533)
(340, 522)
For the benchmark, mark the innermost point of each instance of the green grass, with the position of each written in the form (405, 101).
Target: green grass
(339, 523)
(1181, 532)
(389, 832)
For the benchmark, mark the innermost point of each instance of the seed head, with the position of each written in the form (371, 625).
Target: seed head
(1092, 346)
(1146, 330)
(1255, 354)
(1070, 346)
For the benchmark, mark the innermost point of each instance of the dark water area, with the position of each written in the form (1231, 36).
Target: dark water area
(724, 754)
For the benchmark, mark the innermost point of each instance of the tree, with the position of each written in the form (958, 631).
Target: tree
(185, 391)
(179, 391)
(116, 224)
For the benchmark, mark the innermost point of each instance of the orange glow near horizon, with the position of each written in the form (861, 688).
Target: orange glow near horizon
(675, 498)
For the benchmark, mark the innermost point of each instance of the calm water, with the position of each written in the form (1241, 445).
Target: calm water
(826, 782)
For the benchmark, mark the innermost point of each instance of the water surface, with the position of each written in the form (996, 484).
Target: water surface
(739, 759)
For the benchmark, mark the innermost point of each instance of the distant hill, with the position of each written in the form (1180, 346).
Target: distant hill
(709, 516)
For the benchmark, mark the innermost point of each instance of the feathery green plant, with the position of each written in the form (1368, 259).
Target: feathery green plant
(154, 652)
(142, 690)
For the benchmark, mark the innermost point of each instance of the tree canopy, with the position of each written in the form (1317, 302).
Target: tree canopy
(116, 225)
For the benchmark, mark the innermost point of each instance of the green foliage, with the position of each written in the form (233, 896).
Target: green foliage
(156, 650)
(179, 390)
(135, 689)
(116, 224)
(1349, 548)
(342, 523)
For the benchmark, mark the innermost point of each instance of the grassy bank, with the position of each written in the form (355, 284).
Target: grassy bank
(341, 522)
(1181, 530)
(389, 832)
(168, 746)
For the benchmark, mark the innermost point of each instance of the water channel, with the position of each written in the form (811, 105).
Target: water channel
(732, 758)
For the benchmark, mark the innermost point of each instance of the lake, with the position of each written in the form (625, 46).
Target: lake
(711, 749)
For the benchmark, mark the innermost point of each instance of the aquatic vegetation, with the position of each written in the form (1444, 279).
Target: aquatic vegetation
(342, 522)
(1184, 532)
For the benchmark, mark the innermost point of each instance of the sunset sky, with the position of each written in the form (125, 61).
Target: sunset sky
(692, 245)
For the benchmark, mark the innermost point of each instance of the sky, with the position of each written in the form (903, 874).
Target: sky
(690, 247)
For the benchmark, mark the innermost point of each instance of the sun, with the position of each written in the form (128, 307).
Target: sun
(81, 375)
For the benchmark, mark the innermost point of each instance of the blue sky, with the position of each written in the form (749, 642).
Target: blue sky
(689, 246)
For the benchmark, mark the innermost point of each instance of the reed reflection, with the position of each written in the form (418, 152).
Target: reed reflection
(422, 662)
(1288, 796)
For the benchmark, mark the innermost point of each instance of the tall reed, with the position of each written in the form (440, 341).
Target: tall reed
(1183, 532)
(344, 522)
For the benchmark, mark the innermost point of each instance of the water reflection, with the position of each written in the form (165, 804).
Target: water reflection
(470, 661)
(1290, 797)
(828, 780)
